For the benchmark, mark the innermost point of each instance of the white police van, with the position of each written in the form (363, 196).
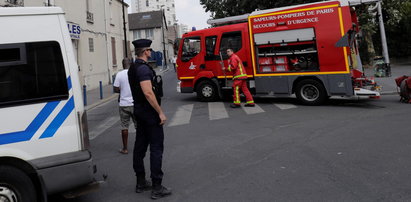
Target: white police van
(43, 131)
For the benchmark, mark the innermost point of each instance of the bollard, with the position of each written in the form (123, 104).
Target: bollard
(101, 90)
(85, 94)
(113, 79)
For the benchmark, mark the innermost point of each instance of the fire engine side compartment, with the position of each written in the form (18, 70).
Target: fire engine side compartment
(284, 85)
(310, 30)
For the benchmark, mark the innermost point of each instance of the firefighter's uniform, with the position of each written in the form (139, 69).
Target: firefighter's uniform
(236, 66)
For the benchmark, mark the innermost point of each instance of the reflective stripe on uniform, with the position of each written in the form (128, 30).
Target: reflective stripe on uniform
(238, 76)
(250, 102)
(240, 67)
(237, 95)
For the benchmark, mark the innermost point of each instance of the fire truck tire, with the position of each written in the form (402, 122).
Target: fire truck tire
(15, 185)
(310, 92)
(207, 91)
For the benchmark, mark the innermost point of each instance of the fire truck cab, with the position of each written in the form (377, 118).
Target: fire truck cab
(309, 50)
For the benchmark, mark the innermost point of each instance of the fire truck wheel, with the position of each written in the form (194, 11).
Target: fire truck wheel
(310, 92)
(207, 91)
(15, 185)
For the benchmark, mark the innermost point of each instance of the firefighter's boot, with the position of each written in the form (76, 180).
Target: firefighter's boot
(235, 106)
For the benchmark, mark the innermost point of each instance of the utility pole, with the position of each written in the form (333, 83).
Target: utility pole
(125, 31)
(383, 39)
(164, 42)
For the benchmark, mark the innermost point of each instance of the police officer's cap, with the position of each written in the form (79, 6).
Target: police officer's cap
(142, 43)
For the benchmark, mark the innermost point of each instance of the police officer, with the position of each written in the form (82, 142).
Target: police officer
(150, 120)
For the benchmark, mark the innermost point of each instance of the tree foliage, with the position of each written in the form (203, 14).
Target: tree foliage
(397, 19)
(226, 8)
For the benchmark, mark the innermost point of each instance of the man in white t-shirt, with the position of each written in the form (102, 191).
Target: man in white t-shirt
(126, 108)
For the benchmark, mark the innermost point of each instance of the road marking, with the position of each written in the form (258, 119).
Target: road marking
(285, 106)
(103, 126)
(217, 110)
(253, 110)
(182, 115)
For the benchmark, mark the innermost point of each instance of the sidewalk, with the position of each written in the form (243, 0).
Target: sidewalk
(388, 83)
(93, 96)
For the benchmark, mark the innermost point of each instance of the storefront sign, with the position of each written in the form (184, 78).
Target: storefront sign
(74, 30)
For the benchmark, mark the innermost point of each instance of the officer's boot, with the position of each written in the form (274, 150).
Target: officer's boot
(159, 191)
(142, 184)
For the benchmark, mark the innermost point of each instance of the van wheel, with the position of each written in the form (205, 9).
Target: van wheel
(207, 91)
(310, 92)
(16, 186)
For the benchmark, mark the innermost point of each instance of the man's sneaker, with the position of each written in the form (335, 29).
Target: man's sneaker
(160, 192)
(235, 106)
(249, 105)
(140, 188)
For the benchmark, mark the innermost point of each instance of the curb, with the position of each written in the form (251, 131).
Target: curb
(92, 106)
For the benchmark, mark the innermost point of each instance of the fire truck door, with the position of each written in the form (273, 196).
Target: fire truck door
(192, 57)
(212, 59)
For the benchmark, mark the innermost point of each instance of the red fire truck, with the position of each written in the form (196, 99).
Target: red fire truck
(309, 50)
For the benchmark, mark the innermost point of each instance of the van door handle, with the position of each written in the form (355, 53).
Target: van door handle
(202, 66)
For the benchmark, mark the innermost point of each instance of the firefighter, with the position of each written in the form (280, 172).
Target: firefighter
(236, 66)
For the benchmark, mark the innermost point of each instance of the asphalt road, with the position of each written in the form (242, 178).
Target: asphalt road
(346, 150)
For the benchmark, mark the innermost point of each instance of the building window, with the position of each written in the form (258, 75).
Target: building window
(147, 3)
(173, 5)
(111, 13)
(91, 44)
(137, 34)
(113, 51)
(146, 17)
(32, 73)
(150, 33)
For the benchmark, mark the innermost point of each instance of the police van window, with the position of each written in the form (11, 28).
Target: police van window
(191, 48)
(210, 47)
(231, 40)
(9, 55)
(32, 72)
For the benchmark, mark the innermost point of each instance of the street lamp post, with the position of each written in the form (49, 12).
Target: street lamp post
(125, 31)
(164, 42)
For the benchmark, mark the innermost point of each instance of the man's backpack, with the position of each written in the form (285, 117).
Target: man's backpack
(404, 84)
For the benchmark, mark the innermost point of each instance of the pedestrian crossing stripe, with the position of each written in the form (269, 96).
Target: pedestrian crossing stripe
(253, 110)
(182, 115)
(285, 106)
(217, 111)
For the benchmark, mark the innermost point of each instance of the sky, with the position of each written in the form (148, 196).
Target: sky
(190, 12)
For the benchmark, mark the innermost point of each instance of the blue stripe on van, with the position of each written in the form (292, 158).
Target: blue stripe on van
(69, 83)
(27, 134)
(59, 119)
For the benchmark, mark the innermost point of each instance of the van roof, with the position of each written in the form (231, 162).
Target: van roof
(18, 11)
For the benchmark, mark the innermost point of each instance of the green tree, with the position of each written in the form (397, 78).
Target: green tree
(226, 8)
(397, 19)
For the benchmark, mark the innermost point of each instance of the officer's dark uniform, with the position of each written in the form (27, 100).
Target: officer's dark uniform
(149, 131)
